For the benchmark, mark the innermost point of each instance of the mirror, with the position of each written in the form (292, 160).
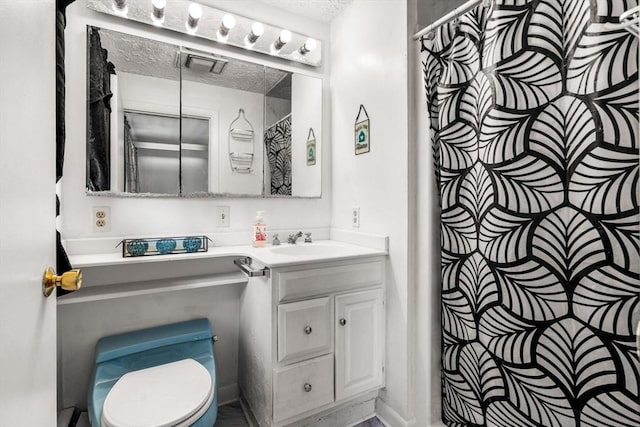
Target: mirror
(167, 120)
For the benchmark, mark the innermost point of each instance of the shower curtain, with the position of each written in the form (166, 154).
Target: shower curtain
(533, 110)
(277, 140)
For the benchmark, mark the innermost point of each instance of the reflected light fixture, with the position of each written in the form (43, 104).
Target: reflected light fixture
(228, 22)
(120, 7)
(195, 13)
(307, 47)
(157, 16)
(283, 38)
(257, 29)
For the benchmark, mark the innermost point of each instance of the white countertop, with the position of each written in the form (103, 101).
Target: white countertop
(269, 255)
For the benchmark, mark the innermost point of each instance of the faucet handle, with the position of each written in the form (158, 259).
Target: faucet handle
(307, 239)
(276, 241)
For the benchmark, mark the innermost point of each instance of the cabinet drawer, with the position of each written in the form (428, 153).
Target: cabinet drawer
(302, 387)
(304, 329)
(326, 279)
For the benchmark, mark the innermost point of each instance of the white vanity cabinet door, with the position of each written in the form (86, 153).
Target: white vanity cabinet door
(359, 338)
(304, 329)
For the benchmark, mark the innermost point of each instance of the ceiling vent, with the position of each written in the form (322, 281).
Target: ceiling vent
(202, 62)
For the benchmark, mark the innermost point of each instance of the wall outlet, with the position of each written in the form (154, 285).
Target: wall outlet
(101, 218)
(355, 217)
(222, 216)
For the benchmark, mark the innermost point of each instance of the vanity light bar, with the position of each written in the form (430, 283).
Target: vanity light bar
(203, 21)
(195, 13)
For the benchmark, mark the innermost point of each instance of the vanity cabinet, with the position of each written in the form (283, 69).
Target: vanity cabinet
(326, 339)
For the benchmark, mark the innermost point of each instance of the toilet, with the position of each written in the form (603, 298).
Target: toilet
(158, 377)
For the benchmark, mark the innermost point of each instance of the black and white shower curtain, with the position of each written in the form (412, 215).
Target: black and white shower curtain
(277, 141)
(534, 125)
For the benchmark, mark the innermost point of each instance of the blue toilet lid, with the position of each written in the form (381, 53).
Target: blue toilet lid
(169, 395)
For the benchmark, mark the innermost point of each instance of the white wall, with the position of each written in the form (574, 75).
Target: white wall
(369, 66)
(172, 216)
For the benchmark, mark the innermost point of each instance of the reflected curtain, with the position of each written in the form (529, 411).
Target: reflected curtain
(277, 139)
(130, 160)
(98, 119)
(534, 125)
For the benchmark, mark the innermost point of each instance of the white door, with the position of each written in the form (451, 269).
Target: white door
(359, 343)
(27, 212)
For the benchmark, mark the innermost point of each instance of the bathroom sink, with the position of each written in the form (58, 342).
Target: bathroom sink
(305, 250)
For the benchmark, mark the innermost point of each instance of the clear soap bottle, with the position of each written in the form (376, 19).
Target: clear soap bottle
(259, 231)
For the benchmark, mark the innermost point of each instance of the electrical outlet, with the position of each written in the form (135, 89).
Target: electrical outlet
(101, 218)
(355, 217)
(222, 216)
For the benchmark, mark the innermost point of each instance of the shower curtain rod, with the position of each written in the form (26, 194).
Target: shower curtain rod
(458, 11)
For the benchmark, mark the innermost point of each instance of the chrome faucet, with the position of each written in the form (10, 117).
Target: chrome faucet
(294, 237)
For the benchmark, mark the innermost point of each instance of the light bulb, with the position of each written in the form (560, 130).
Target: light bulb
(228, 22)
(283, 38)
(257, 29)
(307, 47)
(195, 13)
(157, 16)
(120, 7)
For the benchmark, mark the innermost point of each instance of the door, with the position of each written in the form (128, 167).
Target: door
(359, 346)
(27, 213)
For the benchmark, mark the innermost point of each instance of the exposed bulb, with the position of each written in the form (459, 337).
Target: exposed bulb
(120, 7)
(283, 38)
(228, 22)
(157, 16)
(308, 46)
(257, 29)
(195, 13)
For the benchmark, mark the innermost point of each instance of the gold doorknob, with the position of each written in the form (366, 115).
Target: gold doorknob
(69, 281)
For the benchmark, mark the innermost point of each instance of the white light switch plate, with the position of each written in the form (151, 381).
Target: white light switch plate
(355, 217)
(222, 216)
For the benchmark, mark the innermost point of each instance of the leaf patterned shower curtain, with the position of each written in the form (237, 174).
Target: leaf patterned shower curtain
(534, 125)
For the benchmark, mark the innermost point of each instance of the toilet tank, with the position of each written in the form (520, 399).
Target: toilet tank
(128, 343)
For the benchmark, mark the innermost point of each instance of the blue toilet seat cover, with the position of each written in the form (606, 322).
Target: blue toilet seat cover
(173, 394)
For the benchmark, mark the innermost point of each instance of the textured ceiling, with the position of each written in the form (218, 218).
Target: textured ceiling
(136, 55)
(320, 10)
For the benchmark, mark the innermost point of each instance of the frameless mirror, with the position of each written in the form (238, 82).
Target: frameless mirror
(293, 113)
(164, 119)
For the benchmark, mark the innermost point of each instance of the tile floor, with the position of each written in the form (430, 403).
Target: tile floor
(231, 415)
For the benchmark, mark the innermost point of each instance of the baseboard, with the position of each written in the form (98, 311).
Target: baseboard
(390, 418)
(228, 394)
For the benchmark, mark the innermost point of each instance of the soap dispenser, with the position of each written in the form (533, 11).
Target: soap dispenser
(259, 231)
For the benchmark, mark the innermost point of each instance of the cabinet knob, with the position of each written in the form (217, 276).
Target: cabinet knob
(307, 387)
(308, 330)
(343, 322)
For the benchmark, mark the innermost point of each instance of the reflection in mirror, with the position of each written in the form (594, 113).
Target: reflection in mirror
(164, 119)
(293, 113)
(133, 118)
(277, 135)
(229, 93)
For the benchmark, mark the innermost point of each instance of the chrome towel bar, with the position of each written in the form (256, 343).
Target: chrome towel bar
(244, 264)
